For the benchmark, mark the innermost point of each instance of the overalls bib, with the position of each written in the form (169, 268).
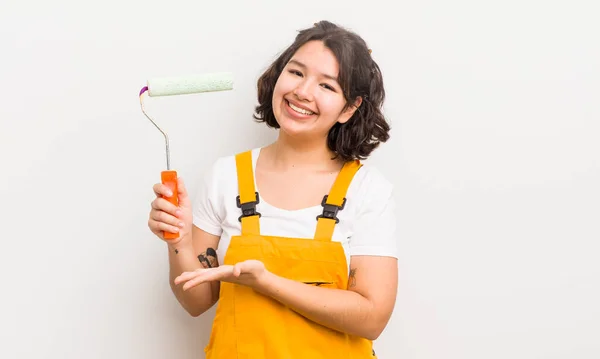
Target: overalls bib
(249, 325)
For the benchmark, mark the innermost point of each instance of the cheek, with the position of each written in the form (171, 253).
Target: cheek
(283, 85)
(279, 91)
(277, 95)
(331, 105)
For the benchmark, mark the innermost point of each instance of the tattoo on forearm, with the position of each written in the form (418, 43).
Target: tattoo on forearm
(208, 259)
(352, 278)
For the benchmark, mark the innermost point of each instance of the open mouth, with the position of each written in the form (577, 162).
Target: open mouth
(298, 109)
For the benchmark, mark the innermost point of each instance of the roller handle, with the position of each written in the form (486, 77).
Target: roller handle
(169, 178)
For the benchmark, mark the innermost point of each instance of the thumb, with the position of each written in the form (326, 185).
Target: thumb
(237, 269)
(184, 198)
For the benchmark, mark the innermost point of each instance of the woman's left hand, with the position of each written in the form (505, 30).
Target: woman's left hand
(249, 273)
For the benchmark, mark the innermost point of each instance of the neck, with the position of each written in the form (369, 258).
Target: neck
(287, 153)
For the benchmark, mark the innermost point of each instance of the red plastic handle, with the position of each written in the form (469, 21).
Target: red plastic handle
(169, 178)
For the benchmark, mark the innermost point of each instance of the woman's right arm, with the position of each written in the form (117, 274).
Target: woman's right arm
(184, 251)
(183, 257)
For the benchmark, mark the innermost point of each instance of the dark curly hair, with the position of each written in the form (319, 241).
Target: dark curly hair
(359, 75)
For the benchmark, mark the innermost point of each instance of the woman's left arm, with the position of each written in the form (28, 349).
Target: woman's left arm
(363, 310)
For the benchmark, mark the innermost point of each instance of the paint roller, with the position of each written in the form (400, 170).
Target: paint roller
(182, 85)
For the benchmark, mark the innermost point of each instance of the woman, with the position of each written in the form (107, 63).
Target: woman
(306, 231)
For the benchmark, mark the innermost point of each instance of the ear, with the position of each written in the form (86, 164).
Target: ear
(349, 112)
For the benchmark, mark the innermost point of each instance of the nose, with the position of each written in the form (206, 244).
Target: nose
(303, 91)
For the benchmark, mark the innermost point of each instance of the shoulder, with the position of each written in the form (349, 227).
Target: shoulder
(370, 185)
(221, 174)
(371, 175)
(374, 221)
(218, 185)
(224, 167)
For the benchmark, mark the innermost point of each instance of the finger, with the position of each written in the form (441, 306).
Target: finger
(162, 204)
(184, 199)
(209, 275)
(181, 187)
(239, 268)
(158, 227)
(165, 217)
(185, 276)
(162, 190)
(160, 215)
(194, 282)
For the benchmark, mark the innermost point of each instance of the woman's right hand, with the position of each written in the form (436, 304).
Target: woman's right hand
(165, 216)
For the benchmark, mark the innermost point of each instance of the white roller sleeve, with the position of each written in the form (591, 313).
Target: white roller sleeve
(167, 86)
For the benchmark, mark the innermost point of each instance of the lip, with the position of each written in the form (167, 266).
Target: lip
(302, 107)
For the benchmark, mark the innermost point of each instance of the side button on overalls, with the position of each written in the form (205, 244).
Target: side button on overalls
(249, 325)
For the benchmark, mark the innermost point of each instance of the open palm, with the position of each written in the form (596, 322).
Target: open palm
(248, 273)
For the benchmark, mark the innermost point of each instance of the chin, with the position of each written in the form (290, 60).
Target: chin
(294, 129)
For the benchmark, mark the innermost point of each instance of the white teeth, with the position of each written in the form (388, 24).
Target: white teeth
(300, 110)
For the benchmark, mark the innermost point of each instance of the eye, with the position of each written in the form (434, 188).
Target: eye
(328, 87)
(296, 72)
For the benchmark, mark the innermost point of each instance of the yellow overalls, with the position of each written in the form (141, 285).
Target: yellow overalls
(249, 325)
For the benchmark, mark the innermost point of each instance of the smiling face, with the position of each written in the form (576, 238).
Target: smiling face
(307, 99)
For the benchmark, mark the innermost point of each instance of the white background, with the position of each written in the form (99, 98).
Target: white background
(494, 154)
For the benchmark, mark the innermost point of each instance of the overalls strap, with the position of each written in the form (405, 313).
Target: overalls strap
(248, 197)
(335, 201)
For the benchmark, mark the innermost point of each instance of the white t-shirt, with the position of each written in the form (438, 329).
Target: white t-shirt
(367, 222)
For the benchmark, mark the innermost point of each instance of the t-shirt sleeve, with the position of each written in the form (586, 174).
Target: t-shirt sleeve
(206, 205)
(375, 225)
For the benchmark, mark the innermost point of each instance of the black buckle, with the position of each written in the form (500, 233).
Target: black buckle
(248, 208)
(330, 210)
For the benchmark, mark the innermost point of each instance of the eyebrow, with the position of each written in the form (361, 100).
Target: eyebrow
(334, 78)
